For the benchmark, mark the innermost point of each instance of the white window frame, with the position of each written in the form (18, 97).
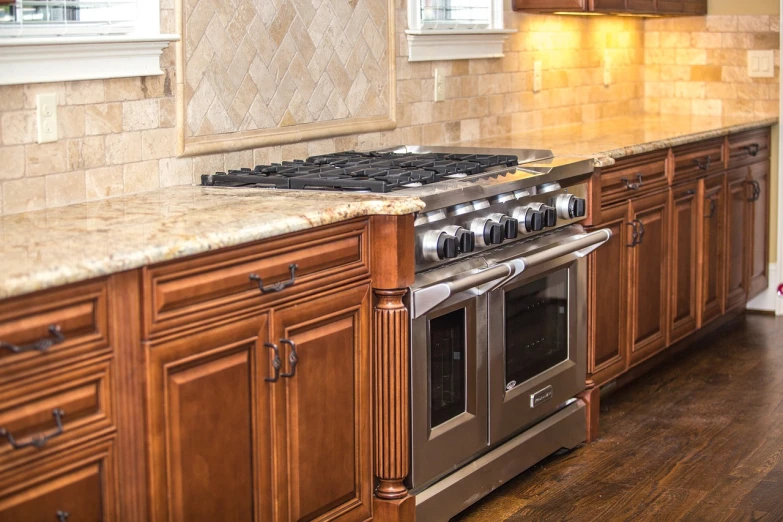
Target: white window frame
(35, 59)
(459, 43)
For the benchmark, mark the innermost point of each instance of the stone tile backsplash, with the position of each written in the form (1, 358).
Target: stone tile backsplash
(118, 136)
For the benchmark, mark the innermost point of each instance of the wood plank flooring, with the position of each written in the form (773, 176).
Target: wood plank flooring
(698, 439)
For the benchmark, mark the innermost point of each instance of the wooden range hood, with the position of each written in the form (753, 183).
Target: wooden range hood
(619, 7)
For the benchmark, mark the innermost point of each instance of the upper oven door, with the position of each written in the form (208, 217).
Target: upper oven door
(536, 331)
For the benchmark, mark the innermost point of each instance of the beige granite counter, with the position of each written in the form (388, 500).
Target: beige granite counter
(607, 140)
(53, 247)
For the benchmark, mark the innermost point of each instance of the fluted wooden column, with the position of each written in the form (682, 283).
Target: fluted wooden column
(392, 420)
(392, 251)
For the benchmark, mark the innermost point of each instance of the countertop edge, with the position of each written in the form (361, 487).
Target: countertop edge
(200, 243)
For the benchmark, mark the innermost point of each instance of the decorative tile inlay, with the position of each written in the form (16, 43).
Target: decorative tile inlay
(256, 66)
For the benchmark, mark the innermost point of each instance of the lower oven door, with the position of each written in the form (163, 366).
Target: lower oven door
(449, 405)
(537, 334)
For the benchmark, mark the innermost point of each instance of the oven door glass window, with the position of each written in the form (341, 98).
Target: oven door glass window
(447, 367)
(536, 327)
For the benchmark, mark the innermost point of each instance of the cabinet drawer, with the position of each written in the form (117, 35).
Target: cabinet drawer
(199, 288)
(78, 399)
(632, 176)
(696, 160)
(78, 486)
(26, 323)
(748, 147)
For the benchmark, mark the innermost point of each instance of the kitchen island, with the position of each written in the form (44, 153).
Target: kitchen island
(201, 353)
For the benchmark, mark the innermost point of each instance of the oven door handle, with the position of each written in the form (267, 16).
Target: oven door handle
(427, 298)
(579, 246)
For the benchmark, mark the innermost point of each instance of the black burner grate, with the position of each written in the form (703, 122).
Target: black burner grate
(360, 171)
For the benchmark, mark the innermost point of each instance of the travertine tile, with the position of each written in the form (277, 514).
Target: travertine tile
(12, 163)
(65, 188)
(123, 148)
(142, 114)
(138, 177)
(103, 118)
(176, 171)
(46, 158)
(70, 121)
(86, 152)
(85, 92)
(22, 195)
(19, 127)
(158, 143)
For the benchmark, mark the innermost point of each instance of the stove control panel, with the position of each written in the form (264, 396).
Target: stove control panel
(452, 232)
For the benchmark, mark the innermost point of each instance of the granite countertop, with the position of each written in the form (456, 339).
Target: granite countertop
(607, 140)
(57, 246)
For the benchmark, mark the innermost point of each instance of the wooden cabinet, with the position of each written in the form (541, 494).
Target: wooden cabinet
(663, 7)
(737, 250)
(322, 431)
(684, 244)
(210, 424)
(649, 275)
(712, 251)
(608, 290)
(758, 224)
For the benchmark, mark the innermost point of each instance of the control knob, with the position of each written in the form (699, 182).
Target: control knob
(466, 240)
(569, 206)
(437, 245)
(530, 220)
(487, 231)
(510, 225)
(549, 213)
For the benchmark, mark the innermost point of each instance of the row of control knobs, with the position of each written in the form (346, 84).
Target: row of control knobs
(496, 228)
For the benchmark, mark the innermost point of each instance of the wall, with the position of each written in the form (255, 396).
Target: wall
(118, 136)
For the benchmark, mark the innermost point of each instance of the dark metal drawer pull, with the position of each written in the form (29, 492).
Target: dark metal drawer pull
(62, 516)
(752, 149)
(633, 186)
(39, 441)
(293, 358)
(690, 192)
(276, 287)
(713, 206)
(276, 363)
(641, 231)
(40, 345)
(634, 234)
(703, 165)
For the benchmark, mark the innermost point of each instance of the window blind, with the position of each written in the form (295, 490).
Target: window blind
(66, 17)
(455, 14)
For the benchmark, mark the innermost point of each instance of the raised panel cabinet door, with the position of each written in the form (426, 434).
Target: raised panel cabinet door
(210, 424)
(684, 244)
(759, 224)
(737, 237)
(649, 272)
(713, 255)
(607, 310)
(323, 439)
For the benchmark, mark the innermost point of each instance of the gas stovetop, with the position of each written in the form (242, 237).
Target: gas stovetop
(362, 171)
(475, 199)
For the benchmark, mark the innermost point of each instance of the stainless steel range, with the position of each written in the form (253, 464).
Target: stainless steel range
(498, 307)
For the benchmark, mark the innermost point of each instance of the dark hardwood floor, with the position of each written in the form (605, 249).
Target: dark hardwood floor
(698, 438)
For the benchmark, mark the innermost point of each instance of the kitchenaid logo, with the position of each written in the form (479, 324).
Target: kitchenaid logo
(541, 396)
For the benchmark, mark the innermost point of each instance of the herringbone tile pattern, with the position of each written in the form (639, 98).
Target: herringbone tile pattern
(262, 64)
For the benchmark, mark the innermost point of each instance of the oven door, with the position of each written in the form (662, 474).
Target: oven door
(537, 331)
(449, 405)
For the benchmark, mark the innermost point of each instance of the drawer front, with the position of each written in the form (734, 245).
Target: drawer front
(58, 411)
(198, 289)
(748, 147)
(633, 176)
(78, 486)
(697, 160)
(28, 343)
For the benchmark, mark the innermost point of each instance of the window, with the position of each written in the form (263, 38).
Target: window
(63, 40)
(455, 29)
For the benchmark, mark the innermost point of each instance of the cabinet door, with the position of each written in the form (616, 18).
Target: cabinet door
(210, 429)
(759, 226)
(644, 6)
(713, 256)
(323, 436)
(649, 271)
(607, 5)
(608, 305)
(683, 280)
(737, 240)
(671, 6)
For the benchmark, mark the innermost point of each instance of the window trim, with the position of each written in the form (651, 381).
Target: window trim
(81, 57)
(455, 44)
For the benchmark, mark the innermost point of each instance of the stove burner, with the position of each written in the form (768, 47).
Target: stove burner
(361, 171)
